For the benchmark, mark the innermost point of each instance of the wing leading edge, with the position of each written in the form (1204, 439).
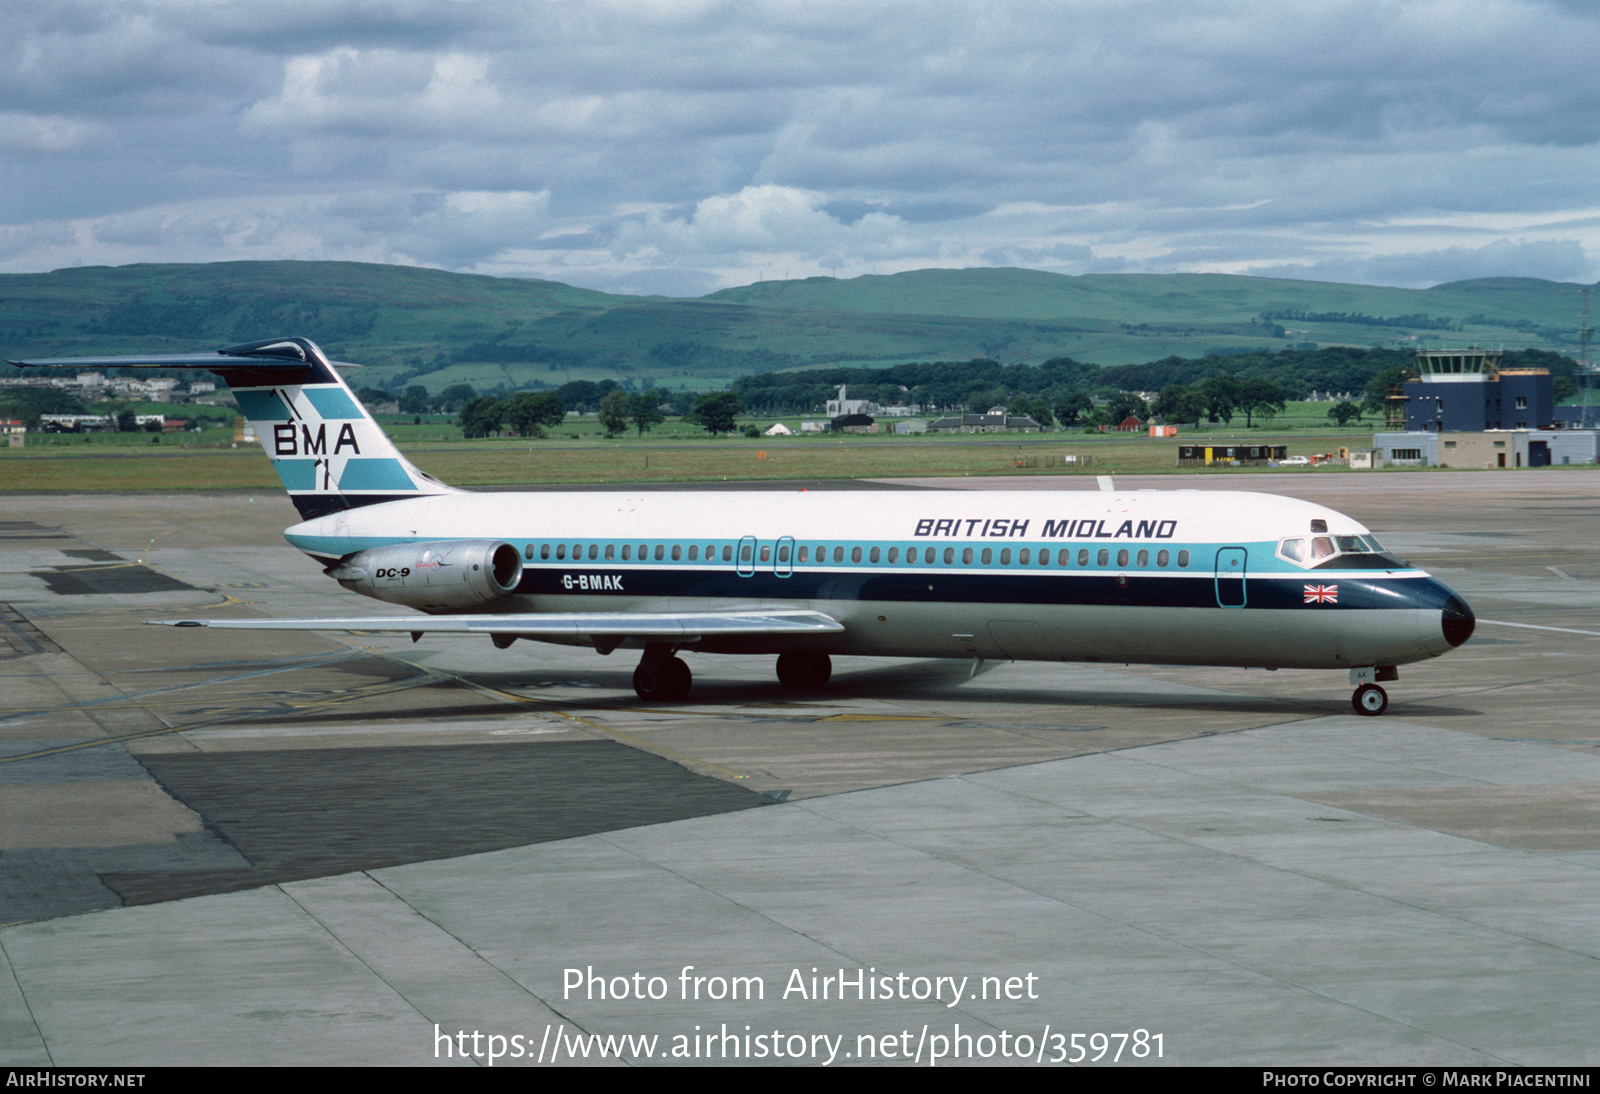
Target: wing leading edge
(649, 626)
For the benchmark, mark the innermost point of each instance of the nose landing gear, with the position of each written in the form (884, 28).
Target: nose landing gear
(1369, 698)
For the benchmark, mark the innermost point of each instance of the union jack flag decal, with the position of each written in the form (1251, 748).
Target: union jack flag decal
(1322, 594)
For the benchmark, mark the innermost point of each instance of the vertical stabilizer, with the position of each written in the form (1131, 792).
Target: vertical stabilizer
(330, 453)
(322, 442)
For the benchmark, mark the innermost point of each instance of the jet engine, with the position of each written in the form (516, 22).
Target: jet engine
(451, 575)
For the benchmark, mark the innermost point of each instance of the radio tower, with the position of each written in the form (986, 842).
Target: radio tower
(1587, 375)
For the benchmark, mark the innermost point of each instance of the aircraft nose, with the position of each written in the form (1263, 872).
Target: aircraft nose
(1457, 621)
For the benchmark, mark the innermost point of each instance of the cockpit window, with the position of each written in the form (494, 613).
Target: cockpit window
(1348, 552)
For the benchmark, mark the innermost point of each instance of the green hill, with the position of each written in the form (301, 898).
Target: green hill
(413, 325)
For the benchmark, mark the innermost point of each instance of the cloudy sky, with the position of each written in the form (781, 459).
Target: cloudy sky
(684, 146)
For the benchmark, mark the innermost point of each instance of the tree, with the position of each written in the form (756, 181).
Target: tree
(127, 422)
(1124, 404)
(645, 409)
(1072, 406)
(1261, 397)
(480, 417)
(1342, 412)
(1376, 395)
(1222, 395)
(614, 410)
(1032, 406)
(528, 411)
(454, 397)
(716, 412)
(1177, 403)
(415, 400)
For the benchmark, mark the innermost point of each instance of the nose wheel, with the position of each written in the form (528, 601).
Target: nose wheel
(1370, 700)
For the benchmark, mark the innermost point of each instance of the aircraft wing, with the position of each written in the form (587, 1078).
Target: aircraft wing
(649, 626)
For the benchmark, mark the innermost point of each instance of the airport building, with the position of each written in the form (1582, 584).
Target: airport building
(1493, 448)
(1466, 391)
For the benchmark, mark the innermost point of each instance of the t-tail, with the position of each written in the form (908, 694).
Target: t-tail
(325, 446)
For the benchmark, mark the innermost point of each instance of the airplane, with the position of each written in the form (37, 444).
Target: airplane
(1149, 577)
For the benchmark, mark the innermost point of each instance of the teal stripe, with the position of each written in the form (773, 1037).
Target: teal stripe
(261, 405)
(333, 403)
(374, 475)
(297, 474)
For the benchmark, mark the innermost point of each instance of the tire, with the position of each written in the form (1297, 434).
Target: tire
(1370, 700)
(807, 671)
(669, 683)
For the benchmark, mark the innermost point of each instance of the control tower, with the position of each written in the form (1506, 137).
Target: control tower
(1466, 390)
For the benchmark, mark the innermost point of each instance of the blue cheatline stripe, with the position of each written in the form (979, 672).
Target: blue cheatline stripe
(379, 474)
(261, 406)
(333, 403)
(297, 474)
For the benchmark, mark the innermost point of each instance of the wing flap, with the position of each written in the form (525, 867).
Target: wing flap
(657, 626)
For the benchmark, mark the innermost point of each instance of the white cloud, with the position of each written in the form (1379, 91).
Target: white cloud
(707, 142)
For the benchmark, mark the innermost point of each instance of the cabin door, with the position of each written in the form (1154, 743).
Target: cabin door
(1230, 577)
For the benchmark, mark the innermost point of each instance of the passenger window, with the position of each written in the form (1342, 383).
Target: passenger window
(694, 552)
(966, 556)
(1122, 557)
(660, 551)
(1104, 557)
(804, 553)
(577, 551)
(1005, 557)
(783, 553)
(855, 554)
(988, 555)
(627, 551)
(727, 552)
(561, 551)
(528, 552)
(1161, 558)
(1023, 557)
(766, 552)
(894, 554)
(677, 552)
(949, 555)
(594, 552)
(746, 553)
(611, 552)
(1183, 558)
(1083, 556)
(1144, 559)
(873, 556)
(644, 551)
(838, 554)
(544, 550)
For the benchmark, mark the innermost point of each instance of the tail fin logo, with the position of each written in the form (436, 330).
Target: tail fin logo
(284, 442)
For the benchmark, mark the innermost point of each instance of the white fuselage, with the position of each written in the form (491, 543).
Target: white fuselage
(1179, 577)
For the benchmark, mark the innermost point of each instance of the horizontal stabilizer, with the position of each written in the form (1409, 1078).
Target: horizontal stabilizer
(649, 626)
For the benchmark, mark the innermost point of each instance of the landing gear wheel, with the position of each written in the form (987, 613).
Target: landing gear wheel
(1370, 700)
(804, 670)
(669, 682)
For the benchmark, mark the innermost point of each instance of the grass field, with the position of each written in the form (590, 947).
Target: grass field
(129, 462)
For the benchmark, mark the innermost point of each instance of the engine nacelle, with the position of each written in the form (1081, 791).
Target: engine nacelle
(450, 575)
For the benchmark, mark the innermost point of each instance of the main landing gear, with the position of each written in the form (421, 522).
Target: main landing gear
(1369, 698)
(804, 671)
(661, 677)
